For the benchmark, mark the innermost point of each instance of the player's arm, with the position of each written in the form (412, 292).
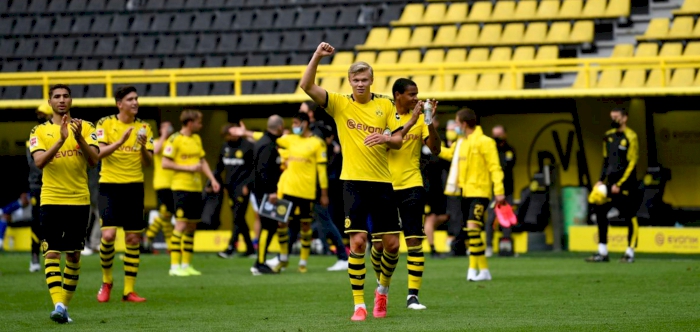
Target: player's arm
(87, 141)
(493, 162)
(632, 157)
(169, 153)
(605, 163)
(207, 172)
(106, 147)
(220, 163)
(308, 80)
(433, 139)
(41, 154)
(448, 152)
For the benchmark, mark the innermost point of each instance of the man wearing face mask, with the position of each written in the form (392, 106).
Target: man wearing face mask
(620, 154)
(236, 160)
(43, 114)
(506, 154)
(306, 162)
(315, 125)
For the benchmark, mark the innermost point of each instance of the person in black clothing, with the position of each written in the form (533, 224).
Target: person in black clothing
(506, 154)
(434, 171)
(618, 176)
(316, 124)
(267, 171)
(43, 114)
(236, 160)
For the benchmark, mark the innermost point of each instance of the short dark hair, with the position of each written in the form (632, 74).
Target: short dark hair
(301, 116)
(620, 110)
(225, 128)
(311, 105)
(401, 85)
(123, 91)
(59, 86)
(188, 116)
(467, 115)
(327, 131)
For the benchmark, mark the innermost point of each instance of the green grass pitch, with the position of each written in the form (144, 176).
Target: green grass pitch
(535, 292)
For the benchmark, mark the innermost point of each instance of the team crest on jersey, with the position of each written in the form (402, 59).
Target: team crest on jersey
(32, 142)
(509, 155)
(238, 154)
(100, 133)
(379, 112)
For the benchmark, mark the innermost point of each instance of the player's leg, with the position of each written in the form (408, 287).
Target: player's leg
(601, 213)
(233, 241)
(192, 215)
(267, 232)
(376, 253)
(257, 224)
(411, 204)
(385, 222)
(74, 240)
(323, 215)
(306, 233)
(34, 264)
(242, 225)
(474, 210)
(50, 246)
(176, 239)
(134, 226)
(479, 208)
(159, 220)
(108, 227)
(628, 207)
(356, 228)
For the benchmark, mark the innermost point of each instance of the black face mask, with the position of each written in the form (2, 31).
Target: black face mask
(499, 140)
(615, 124)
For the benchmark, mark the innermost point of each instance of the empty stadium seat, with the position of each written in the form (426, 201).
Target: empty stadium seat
(636, 78)
(669, 49)
(689, 7)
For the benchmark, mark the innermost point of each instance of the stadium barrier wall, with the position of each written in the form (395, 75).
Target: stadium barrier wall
(667, 240)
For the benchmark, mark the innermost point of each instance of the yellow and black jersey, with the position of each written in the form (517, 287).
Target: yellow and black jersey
(65, 179)
(620, 155)
(185, 151)
(161, 176)
(355, 122)
(124, 165)
(404, 163)
(306, 162)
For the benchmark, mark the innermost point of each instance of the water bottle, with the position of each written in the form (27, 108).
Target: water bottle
(428, 112)
(141, 134)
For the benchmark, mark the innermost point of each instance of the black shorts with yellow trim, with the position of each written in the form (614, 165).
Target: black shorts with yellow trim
(411, 204)
(474, 208)
(64, 227)
(301, 208)
(166, 204)
(121, 205)
(35, 200)
(363, 200)
(188, 205)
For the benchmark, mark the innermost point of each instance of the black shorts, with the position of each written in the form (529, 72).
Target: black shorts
(35, 199)
(411, 204)
(64, 227)
(436, 202)
(363, 199)
(121, 205)
(473, 209)
(301, 209)
(166, 205)
(454, 210)
(188, 206)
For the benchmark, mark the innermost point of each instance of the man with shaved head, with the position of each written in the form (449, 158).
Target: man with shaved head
(266, 161)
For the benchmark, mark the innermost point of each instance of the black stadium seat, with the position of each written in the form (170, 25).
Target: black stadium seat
(222, 21)
(22, 26)
(62, 24)
(42, 25)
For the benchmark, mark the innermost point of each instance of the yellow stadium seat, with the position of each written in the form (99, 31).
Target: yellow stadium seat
(524, 53)
(548, 10)
(424, 81)
(535, 33)
(682, 77)
(657, 29)
(435, 13)
(421, 37)
(559, 33)
(582, 32)
(412, 14)
(570, 9)
(635, 78)
(580, 82)
(383, 58)
(468, 35)
(377, 38)
(366, 56)
(446, 82)
(503, 11)
(480, 11)
(692, 49)
(696, 31)
(380, 85)
(456, 13)
(331, 83)
(409, 57)
(406, 57)
(467, 82)
(513, 34)
(697, 80)
(594, 9)
(445, 36)
(491, 81)
(689, 7)
(667, 50)
(490, 34)
(343, 58)
(548, 52)
(525, 10)
(622, 51)
(618, 8)
(682, 28)
(398, 38)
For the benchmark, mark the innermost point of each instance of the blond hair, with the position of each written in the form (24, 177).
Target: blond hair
(360, 67)
(189, 115)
